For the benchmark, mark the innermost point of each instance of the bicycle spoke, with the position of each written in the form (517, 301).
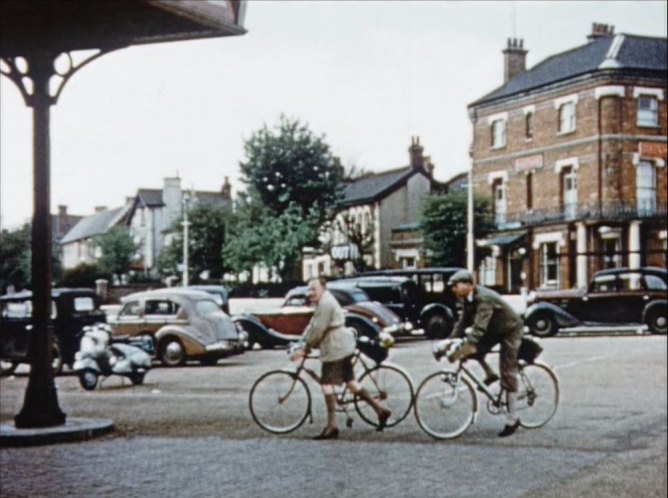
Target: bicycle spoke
(279, 402)
(538, 395)
(445, 405)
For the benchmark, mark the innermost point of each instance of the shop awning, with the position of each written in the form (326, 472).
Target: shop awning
(501, 240)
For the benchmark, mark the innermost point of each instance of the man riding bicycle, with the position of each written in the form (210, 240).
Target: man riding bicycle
(493, 322)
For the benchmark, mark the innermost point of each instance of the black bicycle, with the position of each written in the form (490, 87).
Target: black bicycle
(446, 403)
(280, 400)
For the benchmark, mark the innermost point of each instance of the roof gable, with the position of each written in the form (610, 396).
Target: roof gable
(375, 186)
(95, 224)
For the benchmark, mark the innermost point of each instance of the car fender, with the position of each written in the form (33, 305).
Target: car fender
(657, 303)
(436, 308)
(563, 318)
(362, 324)
(258, 332)
(191, 344)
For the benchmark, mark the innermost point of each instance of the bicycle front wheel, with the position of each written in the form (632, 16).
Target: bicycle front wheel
(392, 387)
(280, 401)
(445, 405)
(538, 395)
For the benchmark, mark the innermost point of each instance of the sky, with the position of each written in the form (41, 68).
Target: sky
(367, 76)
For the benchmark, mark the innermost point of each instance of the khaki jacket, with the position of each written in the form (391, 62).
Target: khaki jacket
(327, 331)
(490, 316)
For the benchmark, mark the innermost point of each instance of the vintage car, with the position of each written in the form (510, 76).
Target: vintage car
(618, 296)
(184, 324)
(220, 294)
(280, 326)
(435, 307)
(71, 310)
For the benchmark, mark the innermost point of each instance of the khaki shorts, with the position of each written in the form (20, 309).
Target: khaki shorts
(337, 372)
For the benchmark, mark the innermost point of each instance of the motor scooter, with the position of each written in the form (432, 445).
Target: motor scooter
(99, 356)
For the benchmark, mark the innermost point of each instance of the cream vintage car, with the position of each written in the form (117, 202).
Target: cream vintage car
(183, 324)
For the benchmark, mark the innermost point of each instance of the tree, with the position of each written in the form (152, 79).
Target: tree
(444, 225)
(260, 237)
(118, 249)
(289, 165)
(15, 258)
(206, 237)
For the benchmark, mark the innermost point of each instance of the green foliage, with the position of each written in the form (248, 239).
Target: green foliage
(118, 250)
(259, 237)
(444, 225)
(15, 258)
(207, 232)
(290, 166)
(83, 275)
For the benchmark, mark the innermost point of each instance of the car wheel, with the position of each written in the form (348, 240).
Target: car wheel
(88, 379)
(436, 327)
(656, 320)
(56, 359)
(542, 324)
(172, 353)
(137, 378)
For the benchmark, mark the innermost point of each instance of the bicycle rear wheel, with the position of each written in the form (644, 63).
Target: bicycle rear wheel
(392, 387)
(445, 405)
(538, 395)
(279, 401)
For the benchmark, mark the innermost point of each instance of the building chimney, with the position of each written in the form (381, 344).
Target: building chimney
(514, 59)
(415, 153)
(600, 30)
(226, 189)
(99, 209)
(429, 166)
(62, 210)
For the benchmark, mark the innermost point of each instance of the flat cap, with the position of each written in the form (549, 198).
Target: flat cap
(460, 276)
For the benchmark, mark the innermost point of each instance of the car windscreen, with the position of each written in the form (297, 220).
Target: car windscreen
(205, 307)
(83, 304)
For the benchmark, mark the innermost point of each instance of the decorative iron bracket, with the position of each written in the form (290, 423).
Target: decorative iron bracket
(22, 73)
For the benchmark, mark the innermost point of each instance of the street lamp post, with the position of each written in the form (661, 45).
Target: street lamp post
(186, 276)
(470, 239)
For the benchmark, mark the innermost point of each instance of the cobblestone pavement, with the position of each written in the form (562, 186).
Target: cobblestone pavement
(187, 432)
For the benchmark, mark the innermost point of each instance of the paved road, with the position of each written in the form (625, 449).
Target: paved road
(187, 432)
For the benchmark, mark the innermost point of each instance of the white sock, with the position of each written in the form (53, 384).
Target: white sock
(511, 398)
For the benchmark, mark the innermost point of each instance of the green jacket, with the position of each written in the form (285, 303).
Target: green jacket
(327, 331)
(489, 315)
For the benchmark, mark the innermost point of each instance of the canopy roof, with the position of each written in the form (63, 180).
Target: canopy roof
(59, 26)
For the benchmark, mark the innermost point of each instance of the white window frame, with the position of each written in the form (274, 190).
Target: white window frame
(570, 205)
(646, 193)
(546, 265)
(647, 118)
(498, 131)
(567, 120)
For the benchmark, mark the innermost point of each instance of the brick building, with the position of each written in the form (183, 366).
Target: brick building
(573, 154)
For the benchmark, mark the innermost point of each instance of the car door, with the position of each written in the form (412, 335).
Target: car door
(129, 319)
(594, 305)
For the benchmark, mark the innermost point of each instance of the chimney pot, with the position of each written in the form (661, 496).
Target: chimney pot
(600, 30)
(514, 58)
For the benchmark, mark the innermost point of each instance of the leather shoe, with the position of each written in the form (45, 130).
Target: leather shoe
(328, 434)
(382, 419)
(509, 430)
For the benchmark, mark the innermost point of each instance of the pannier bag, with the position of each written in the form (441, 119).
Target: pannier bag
(529, 350)
(372, 348)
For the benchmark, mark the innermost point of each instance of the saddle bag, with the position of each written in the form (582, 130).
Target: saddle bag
(529, 350)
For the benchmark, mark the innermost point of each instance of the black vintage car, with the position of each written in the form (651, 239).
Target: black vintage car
(71, 310)
(419, 295)
(618, 296)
